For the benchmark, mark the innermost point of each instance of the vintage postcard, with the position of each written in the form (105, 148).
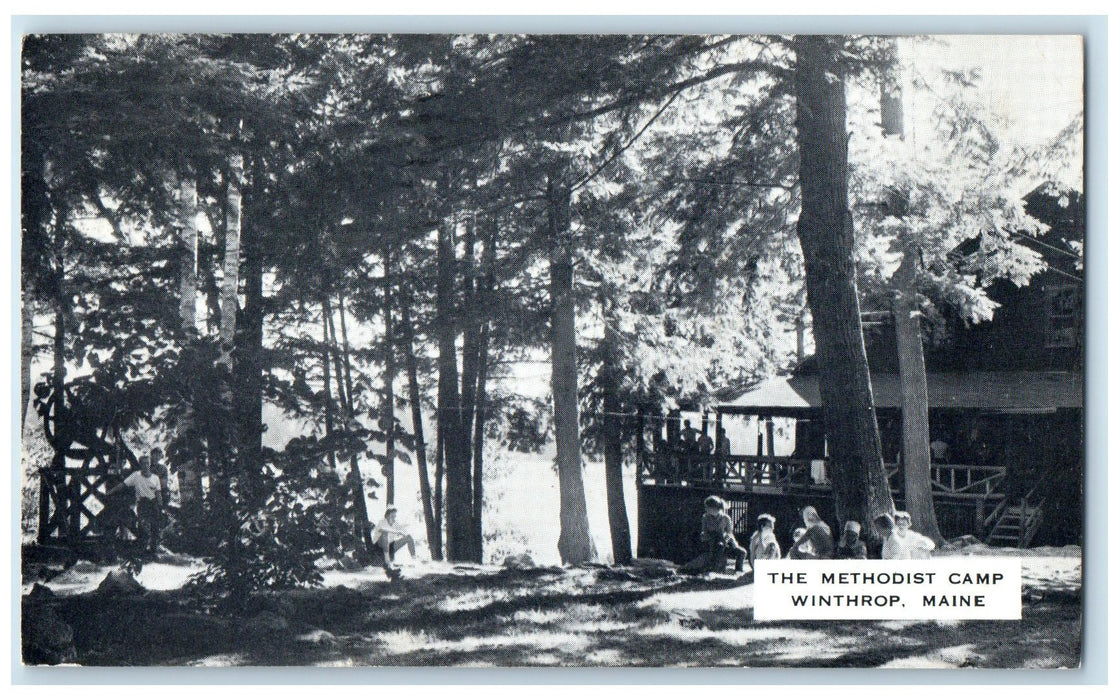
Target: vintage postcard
(552, 350)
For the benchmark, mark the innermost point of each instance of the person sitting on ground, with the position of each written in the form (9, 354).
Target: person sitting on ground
(805, 547)
(850, 546)
(717, 538)
(818, 533)
(916, 545)
(891, 545)
(389, 538)
(763, 543)
(147, 491)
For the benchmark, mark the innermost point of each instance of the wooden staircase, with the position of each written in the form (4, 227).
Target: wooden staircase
(1015, 522)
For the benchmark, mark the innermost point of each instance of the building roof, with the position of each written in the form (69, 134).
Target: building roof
(1001, 392)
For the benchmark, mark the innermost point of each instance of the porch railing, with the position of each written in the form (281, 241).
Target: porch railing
(791, 474)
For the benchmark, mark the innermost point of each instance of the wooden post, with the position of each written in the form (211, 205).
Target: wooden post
(800, 336)
(769, 437)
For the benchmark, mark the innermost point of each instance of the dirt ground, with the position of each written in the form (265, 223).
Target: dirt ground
(550, 616)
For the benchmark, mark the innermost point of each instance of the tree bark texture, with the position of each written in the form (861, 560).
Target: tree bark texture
(612, 447)
(363, 537)
(434, 532)
(388, 411)
(914, 400)
(231, 267)
(826, 234)
(575, 543)
(249, 357)
(189, 474)
(26, 349)
(459, 499)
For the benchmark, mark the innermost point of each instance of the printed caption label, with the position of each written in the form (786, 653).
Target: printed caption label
(964, 588)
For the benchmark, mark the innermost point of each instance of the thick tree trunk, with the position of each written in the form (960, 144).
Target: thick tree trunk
(575, 543)
(914, 400)
(826, 237)
(434, 532)
(911, 351)
(459, 496)
(612, 447)
(249, 358)
(483, 300)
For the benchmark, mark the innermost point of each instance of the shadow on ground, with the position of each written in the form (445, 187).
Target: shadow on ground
(566, 617)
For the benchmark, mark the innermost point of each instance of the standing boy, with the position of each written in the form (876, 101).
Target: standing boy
(148, 492)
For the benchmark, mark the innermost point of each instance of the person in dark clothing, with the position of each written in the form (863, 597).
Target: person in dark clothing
(722, 453)
(850, 546)
(817, 533)
(717, 537)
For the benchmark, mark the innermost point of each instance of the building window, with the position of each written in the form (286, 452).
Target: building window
(1063, 313)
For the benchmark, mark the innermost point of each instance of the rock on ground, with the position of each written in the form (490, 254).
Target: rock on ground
(266, 626)
(119, 581)
(47, 639)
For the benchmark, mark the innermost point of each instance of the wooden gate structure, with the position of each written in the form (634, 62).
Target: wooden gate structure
(90, 458)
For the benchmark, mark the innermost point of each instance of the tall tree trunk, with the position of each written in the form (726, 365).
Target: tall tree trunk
(612, 445)
(188, 255)
(440, 477)
(58, 374)
(328, 396)
(389, 410)
(232, 262)
(189, 473)
(249, 357)
(911, 351)
(362, 534)
(434, 532)
(575, 543)
(826, 234)
(26, 347)
(459, 498)
(914, 400)
(483, 302)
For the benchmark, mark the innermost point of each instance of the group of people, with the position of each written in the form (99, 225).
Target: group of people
(694, 443)
(812, 541)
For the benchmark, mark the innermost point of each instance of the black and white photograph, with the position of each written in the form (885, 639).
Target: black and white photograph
(552, 350)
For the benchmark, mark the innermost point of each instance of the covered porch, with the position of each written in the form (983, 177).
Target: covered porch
(986, 428)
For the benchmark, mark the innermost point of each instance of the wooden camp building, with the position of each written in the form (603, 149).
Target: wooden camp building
(1005, 417)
